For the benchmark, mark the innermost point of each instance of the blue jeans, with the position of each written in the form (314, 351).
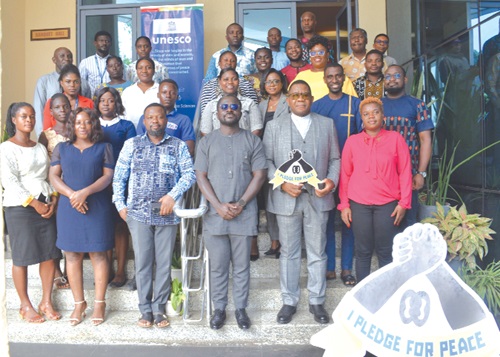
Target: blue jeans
(347, 244)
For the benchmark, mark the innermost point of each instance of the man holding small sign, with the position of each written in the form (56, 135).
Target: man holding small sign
(303, 164)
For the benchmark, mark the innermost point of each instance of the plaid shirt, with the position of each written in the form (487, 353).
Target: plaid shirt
(151, 172)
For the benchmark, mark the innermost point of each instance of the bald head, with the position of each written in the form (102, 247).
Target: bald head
(308, 23)
(62, 56)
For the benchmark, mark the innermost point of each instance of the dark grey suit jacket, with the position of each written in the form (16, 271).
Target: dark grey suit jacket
(278, 143)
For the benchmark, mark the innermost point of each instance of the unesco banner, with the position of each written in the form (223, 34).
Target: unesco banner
(176, 34)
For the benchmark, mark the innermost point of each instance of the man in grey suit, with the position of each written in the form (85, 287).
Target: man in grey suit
(230, 170)
(301, 207)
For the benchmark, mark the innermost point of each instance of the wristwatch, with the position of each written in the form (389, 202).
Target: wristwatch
(423, 173)
(242, 203)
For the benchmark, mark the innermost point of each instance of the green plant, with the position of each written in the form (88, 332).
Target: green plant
(437, 190)
(465, 234)
(176, 260)
(177, 295)
(486, 283)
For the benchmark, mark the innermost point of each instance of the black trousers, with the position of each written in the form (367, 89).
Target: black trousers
(374, 230)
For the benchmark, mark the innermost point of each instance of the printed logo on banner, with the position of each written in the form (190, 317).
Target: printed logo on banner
(415, 306)
(170, 26)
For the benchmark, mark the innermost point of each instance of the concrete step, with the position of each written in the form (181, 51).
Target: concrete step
(120, 328)
(265, 295)
(265, 267)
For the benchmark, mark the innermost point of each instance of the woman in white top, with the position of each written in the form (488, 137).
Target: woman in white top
(29, 202)
(142, 93)
(251, 119)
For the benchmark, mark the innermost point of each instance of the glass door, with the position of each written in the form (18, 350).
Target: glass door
(258, 18)
(345, 22)
(120, 23)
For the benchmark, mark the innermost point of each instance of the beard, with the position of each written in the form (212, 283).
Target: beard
(394, 90)
(156, 133)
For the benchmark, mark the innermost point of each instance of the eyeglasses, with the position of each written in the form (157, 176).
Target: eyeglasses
(272, 81)
(296, 96)
(316, 53)
(382, 42)
(395, 76)
(232, 106)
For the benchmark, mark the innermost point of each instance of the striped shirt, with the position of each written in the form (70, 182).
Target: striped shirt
(93, 70)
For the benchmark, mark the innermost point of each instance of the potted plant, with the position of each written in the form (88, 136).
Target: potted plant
(486, 283)
(176, 267)
(465, 234)
(436, 191)
(177, 298)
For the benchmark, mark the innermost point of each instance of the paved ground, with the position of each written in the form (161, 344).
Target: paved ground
(51, 350)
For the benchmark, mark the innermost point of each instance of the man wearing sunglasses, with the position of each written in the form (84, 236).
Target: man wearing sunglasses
(381, 43)
(411, 118)
(302, 207)
(230, 168)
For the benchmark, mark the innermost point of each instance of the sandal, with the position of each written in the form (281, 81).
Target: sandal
(331, 275)
(146, 320)
(34, 319)
(96, 321)
(48, 311)
(349, 280)
(61, 282)
(161, 321)
(77, 320)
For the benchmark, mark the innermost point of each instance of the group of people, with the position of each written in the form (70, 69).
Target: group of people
(366, 139)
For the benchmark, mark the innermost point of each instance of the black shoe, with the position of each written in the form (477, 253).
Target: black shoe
(242, 319)
(274, 251)
(320, 314)
(285, 314)
(218, 319)
(254, 257)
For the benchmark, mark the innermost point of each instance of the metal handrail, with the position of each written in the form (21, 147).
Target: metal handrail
(190, 219)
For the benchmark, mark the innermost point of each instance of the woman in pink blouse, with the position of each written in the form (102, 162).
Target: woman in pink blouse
(375, 187)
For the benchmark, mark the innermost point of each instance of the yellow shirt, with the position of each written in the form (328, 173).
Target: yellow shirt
(318, 86)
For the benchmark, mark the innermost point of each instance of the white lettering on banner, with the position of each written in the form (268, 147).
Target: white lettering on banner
(171, 40)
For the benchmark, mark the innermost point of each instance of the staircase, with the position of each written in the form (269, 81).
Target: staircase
(122, 313)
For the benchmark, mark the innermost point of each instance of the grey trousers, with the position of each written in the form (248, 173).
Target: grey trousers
(223, 249)
(152, 244)
(307, 219)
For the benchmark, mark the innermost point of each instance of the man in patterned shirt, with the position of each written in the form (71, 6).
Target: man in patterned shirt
(158, 170)
(354, 64)
(410, 117)
(245, 56)
(371, 84)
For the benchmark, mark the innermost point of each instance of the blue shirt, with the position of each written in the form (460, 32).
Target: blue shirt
(178, 125)
(151, 172)
(408, 116)
(116, 132)
(280, 60)
(245, 62)
(338, 110)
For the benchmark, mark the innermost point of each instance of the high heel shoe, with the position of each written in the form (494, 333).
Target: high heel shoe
(75, 320)
(273, 251)
(36, 319)
(96, 321)
(48, 311)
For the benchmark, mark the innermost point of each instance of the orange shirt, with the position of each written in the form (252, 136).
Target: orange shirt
(48, 119)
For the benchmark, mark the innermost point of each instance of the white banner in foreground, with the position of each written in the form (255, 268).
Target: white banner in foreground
(415, 306)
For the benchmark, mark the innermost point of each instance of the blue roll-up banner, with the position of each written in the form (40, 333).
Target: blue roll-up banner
(176, 34)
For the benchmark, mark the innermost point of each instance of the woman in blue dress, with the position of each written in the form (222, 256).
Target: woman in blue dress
(81, 171)
(116, 131)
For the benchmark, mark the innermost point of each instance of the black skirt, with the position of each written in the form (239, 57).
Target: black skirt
(32, 238)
